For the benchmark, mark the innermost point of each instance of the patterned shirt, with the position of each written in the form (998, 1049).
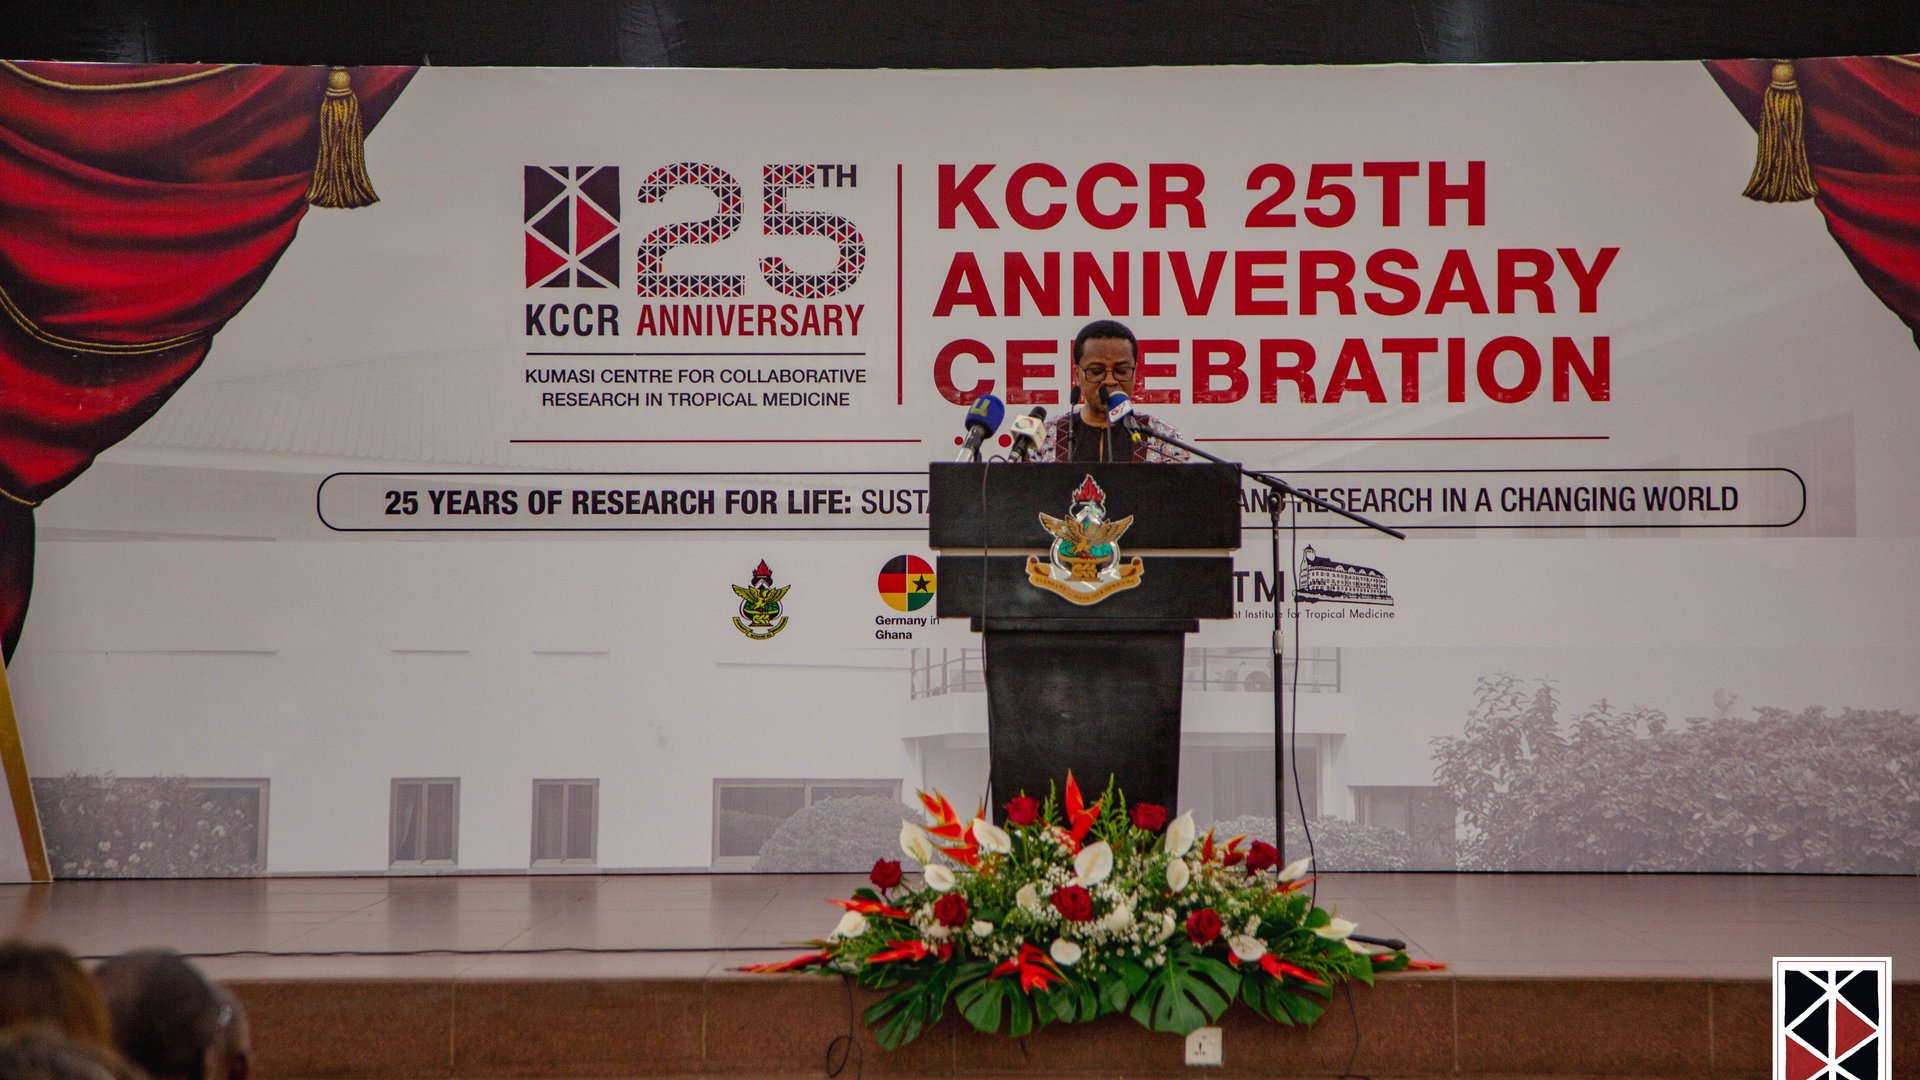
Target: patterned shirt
(1061, 431)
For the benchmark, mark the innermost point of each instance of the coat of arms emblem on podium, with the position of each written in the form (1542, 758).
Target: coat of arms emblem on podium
(1083, 563)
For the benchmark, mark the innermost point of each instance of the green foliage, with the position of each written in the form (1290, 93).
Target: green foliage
(1624, 790)
(1189, 991)
(900, 1017)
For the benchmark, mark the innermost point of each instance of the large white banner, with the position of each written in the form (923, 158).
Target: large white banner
(432, 564)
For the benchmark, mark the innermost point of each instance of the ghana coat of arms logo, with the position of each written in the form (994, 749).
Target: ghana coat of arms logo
(1083, 563)
(760, 616)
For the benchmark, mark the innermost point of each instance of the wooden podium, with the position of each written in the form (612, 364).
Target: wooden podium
(1091, 685)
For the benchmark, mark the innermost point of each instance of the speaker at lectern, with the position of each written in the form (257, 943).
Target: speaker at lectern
(1083, 581)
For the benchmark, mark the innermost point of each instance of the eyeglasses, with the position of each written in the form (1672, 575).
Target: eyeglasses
(1097, 372)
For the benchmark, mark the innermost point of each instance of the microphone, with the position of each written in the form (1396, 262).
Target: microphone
(1029, 432)
(1120, 414)
(983, 419)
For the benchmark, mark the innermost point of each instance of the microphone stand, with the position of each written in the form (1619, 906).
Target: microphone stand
(1278, 491)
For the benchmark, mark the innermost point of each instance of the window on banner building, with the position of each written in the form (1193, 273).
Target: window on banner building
(425, 829)
(566, 820)
(746, 813)
(1822, 453)
(1426, 814)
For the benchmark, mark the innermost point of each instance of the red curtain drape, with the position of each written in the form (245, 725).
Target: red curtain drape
(1862, 125)
(141, 207)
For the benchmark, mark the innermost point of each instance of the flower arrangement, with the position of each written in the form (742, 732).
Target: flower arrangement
(1079, 911)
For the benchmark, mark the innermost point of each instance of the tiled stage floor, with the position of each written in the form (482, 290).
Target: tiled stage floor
(1629, 926)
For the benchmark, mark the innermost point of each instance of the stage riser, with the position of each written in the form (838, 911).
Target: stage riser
(1414, 1026)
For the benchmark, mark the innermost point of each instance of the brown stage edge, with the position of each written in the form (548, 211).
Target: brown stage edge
(1429, 1025)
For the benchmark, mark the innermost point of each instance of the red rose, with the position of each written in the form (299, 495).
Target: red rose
(951, 910)
(885, 873)
(1023, 810)
(1149, 817)
(1203, 926)
(1262, 856)
(1074, 904)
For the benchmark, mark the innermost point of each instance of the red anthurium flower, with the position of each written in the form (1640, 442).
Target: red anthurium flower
(1037, 970)
(951, 910)
(1023, 810)
(1080, 816)
(885, 873)
(871, 907)
(909, 950)
(1203, 926)
(1150, 817)
(1277, 967)
(795, 964)
(1073, 903)
(1262, 856)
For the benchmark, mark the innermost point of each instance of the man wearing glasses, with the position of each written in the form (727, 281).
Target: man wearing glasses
(1105, 357)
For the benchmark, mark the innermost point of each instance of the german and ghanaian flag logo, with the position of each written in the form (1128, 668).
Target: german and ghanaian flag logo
(906, 583)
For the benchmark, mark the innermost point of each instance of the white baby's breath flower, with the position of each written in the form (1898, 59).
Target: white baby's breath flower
(852, 925)
(1064, 952)
(939, 878)
(1178, 874)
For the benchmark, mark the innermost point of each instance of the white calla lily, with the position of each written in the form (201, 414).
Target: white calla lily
(991, 837)
(1337, 930)
(1028, 897)
(1296, 870)
(1064, 952)
(1119, 920)
(1093, 864)
(940, 879)
(1178, 874)
(1247, 947)
(1167, 927)
(982, 928)
(915, 842)
(852, 925)
(1180, 835)
(1359, 948)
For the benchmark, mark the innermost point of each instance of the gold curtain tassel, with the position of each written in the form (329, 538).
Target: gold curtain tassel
(1780, 171)
(340, 170)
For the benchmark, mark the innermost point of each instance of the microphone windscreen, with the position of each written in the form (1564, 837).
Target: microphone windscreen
(987, 412)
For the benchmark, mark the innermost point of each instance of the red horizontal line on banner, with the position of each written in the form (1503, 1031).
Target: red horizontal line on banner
(791, 355)
(719, 441)
(1419, 438)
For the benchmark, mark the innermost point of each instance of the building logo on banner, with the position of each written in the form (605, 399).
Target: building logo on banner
(1324, 580)
(1831, 1017)
(760, 616)
(1083, 564)
(572, 219)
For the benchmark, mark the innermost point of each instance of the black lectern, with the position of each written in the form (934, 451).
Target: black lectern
(1084, 580)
